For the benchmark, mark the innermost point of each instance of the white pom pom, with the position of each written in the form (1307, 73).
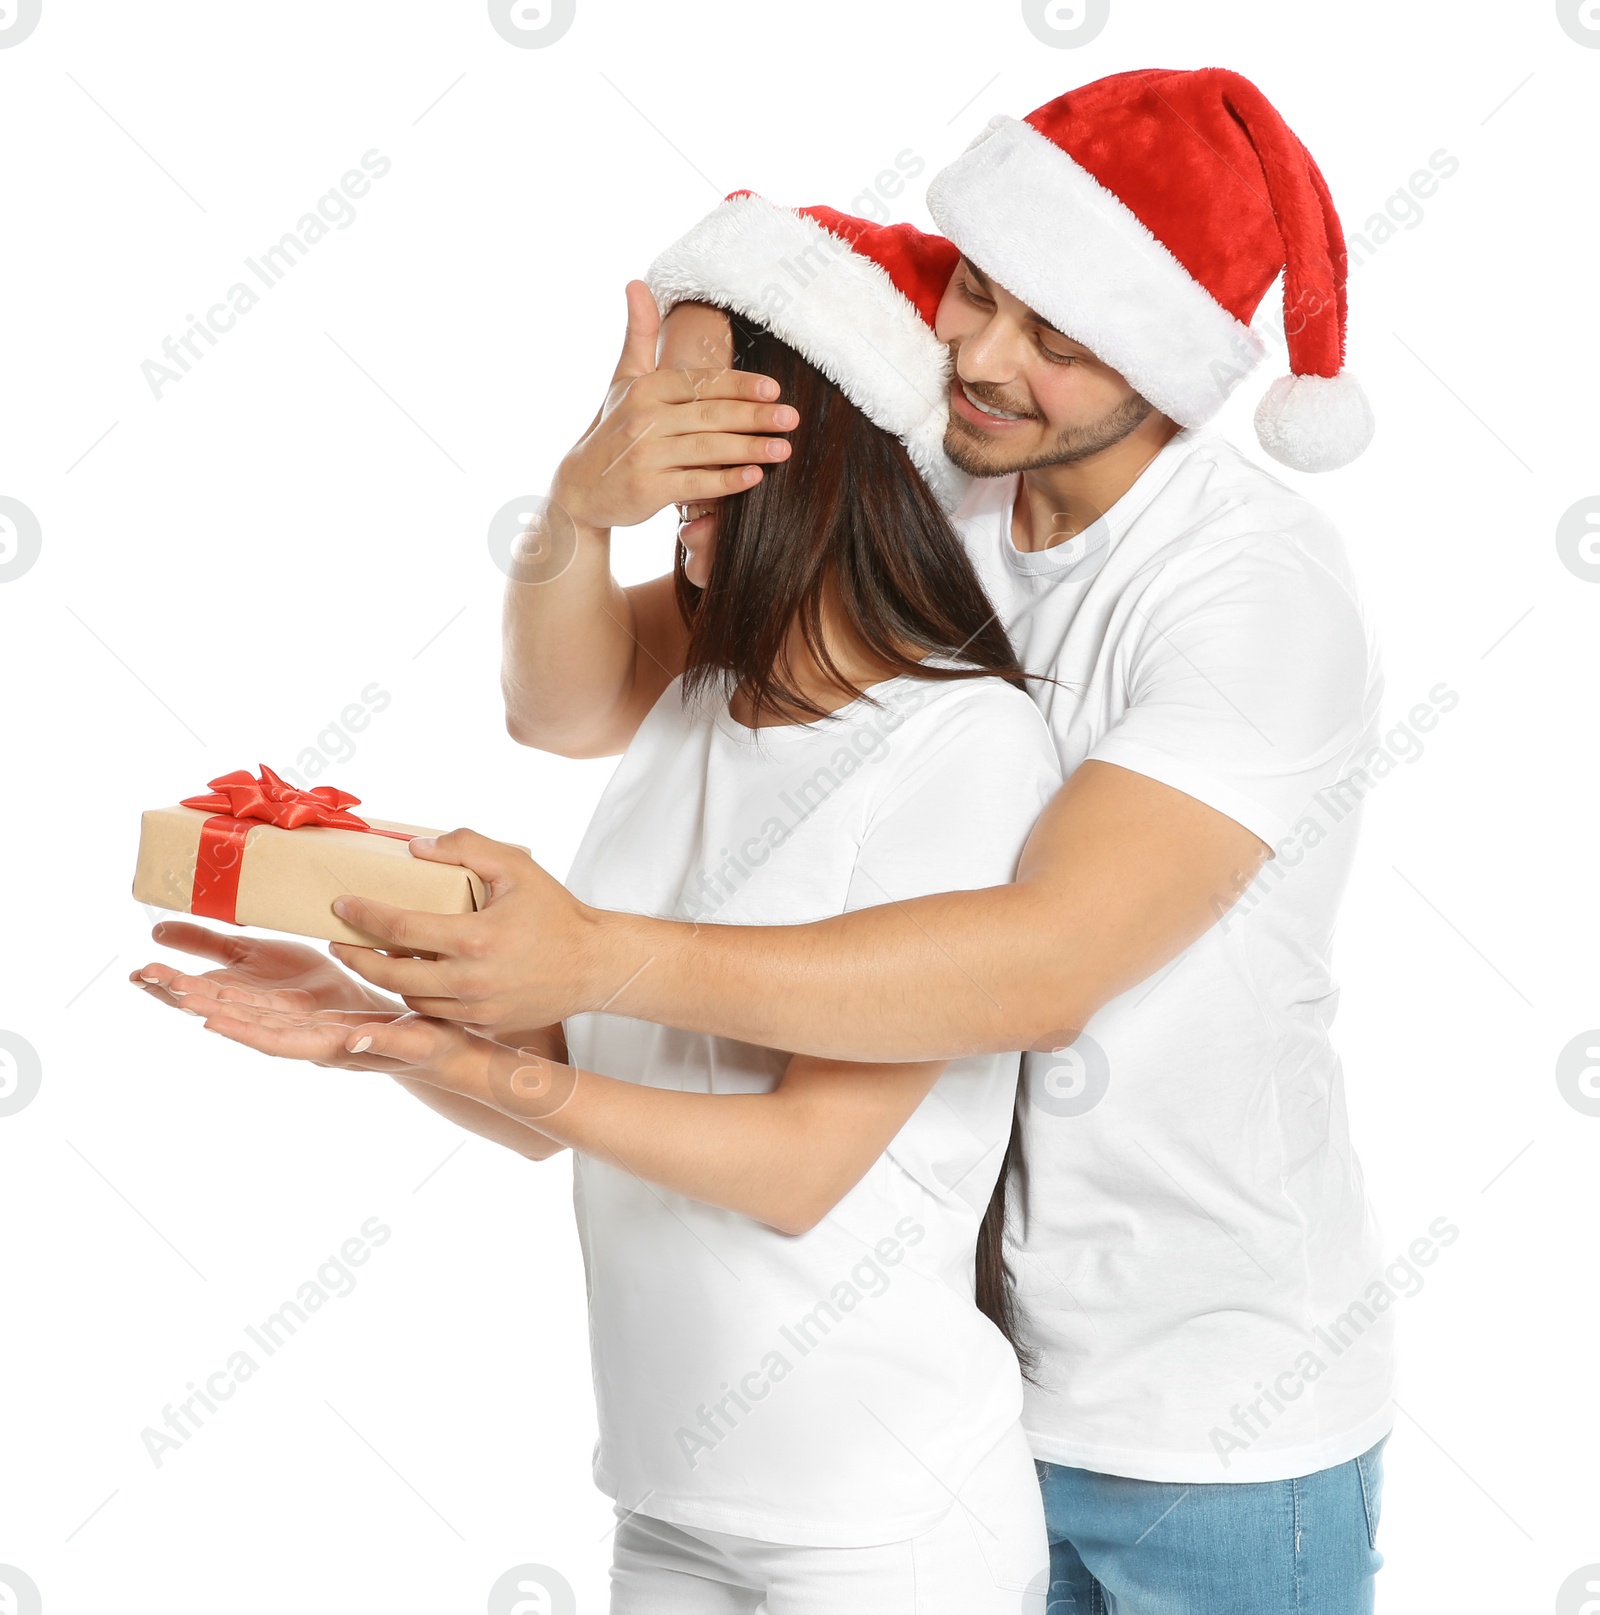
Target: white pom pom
(1314, 423)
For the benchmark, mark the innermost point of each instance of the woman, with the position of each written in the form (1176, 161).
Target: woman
(800, 1315)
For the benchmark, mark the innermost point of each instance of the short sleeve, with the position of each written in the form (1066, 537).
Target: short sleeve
(1252, 683)
(971, 771)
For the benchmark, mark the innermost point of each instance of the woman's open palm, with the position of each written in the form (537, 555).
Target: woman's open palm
(294, 976)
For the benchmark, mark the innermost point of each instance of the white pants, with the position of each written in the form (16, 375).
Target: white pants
(987, 1556)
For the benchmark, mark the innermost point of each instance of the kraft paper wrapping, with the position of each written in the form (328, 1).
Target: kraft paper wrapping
(288, 879)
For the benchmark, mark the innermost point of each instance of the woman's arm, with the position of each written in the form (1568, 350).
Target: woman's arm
(545, 1042)
(282, 1023)
(483, 1120)
(784, 1158)
(298, 982)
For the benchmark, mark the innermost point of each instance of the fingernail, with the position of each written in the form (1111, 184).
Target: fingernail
(752, 473)
(360, 1046)
(177, 992)
(769, 389)
(426, 842)
(155, 981)
(340, 907)
(196, 1012)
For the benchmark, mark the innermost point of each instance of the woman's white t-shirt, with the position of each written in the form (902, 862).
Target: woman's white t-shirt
(834, 1388)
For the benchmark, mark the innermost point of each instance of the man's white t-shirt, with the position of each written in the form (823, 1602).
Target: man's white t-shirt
(834, 1388)
(1198, 1261)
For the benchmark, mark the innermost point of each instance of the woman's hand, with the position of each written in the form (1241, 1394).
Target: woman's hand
(342, 1039)
(318, 1036)
(292, 976)
(448, 1068)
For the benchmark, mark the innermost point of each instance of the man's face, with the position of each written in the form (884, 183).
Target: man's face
(1023, 395)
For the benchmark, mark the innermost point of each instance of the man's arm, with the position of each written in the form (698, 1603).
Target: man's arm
(584, 658)
(1119, 876)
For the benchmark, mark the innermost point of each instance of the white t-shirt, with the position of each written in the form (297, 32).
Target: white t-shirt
(834, 1388)
(1197, 1224)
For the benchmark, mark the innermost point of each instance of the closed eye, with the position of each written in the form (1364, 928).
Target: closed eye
(1049, 353)
(973, 295)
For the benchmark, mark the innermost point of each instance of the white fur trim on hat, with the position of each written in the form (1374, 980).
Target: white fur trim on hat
(1314, 423)
(1051, 234)
(834, 306)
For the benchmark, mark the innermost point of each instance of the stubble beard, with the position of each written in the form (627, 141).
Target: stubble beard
(980, 459)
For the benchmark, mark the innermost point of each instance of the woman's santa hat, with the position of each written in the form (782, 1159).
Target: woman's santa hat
(1146, 215)
(854, 298)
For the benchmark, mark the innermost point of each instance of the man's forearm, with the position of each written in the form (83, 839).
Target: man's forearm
(1120, 875)
(937, 978)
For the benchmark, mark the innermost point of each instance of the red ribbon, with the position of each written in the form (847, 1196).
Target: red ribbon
(240, 802)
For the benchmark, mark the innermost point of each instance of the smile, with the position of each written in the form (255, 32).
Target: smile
(983, 408)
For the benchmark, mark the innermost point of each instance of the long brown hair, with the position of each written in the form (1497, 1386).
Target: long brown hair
(847, 510)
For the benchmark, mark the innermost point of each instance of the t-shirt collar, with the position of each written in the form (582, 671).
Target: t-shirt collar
(996, 497)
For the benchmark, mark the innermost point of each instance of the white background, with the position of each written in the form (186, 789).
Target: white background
(304, 515)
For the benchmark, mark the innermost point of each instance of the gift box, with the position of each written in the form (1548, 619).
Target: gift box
(259, 851)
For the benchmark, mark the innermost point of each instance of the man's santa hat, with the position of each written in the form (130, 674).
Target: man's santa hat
(854, 298)
(1146, 215)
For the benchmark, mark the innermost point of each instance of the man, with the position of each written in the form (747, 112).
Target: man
(1195, 1242)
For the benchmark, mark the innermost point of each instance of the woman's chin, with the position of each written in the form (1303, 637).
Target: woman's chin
(696, 538)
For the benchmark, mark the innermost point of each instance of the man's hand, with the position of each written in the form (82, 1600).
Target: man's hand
(520, 962)
(585, 658)
(677, 434)
(1120, 875)
(289, 975)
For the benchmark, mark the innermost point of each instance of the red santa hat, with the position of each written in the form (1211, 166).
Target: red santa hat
(1146, 215)
(854, 298)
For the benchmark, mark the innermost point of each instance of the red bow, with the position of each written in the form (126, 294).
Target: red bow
(240, 802)
(271, 800)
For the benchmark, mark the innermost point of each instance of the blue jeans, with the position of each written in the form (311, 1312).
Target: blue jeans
(1284, 1547)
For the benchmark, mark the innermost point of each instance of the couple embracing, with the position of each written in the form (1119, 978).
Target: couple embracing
(984, 686)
